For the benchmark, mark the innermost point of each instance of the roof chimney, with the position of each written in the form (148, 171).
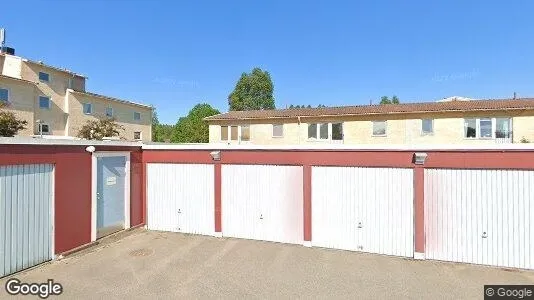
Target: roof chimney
(515, 95)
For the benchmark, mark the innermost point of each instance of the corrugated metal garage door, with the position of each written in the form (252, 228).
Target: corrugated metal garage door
(180, 198)
(480, 216)
(364, 209)
(26, 216)
(262, 202)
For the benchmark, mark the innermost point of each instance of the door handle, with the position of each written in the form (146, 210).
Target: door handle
(360, 225)
(484, 235)
(179, 211)
(261, 216)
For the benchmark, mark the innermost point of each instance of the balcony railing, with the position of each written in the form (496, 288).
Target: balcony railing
(504, 137)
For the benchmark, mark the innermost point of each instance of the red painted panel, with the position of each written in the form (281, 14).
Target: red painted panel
(136, 188)
(333, 158)
(481, 160)
(307, 204)
(218, 196)
(419, 208)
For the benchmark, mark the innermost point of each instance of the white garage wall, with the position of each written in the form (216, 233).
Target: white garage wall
(480, 216)
(262, 202)
(363, 209)
(181, 198)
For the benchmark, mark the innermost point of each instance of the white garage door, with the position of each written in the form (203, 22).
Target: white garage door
(180, 198)
(480, 216)
(262, 202)
(363, 209)
(26, 216)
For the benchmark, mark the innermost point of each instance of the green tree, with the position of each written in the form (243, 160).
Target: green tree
(10, 125)
(395, 100)
(99, 129)
(320, 106)
(253, 91)
(291, 106)
(193, 128)
(155, 126)
(385, 100)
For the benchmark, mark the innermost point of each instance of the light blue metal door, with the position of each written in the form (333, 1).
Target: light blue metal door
(110, 194)
(26, 216)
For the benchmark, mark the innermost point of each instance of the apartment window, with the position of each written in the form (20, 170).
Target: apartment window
(337, 131)
(233, 133)
(224, 133)
(427, 126)
(44, 102)
(137, 135)
(325, 131)
(487, 128)
(379, 128)
(312, 131)
(245, 133)
(44, 76)
(137, 116)
(87, 108)
(4, 95)
(278, 130)
(503, 128)
(43, 128)
(470, 128)
(109, 112)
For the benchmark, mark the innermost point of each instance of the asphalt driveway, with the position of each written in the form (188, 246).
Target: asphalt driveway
(158, 265)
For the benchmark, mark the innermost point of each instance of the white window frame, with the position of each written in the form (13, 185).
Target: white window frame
(8, 95)
(229, 132)
(90, 110)
(477, 127)
(277, 136)
(318, 138)
(423, 132)
(140, 135)
(42, 80)
(385, 128)
(112, 112)
(134, 114)
(49, 102)
(39, 126)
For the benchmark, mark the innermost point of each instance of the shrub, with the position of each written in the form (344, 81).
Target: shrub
(99, 129)
(10, 125)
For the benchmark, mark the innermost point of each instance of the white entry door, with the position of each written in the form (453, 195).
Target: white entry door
(363, 209)
(262, 202)
(181, 198)
(480, 216)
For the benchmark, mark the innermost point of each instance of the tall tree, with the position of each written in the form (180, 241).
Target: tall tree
(253, 91)
(395, 100)
(385, 100)
(155, 126)
(193, 128)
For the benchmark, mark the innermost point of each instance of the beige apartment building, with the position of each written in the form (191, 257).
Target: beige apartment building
(56, 104)
(447, 122)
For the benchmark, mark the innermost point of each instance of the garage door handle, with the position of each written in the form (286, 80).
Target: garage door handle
(179, 211)
(360, 225)
(261, 217)
(484, 235)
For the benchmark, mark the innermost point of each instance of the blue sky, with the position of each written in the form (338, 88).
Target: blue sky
(174, 54)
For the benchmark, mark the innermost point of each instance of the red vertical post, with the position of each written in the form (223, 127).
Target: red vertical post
(218, 212)
(143, 188)
(419, 211)
(307, 205)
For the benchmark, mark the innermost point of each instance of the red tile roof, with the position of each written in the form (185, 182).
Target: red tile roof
(360, 110)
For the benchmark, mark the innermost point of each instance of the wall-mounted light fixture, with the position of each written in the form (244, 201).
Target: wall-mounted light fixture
(215, 155)
(90, 149)
(419, 158)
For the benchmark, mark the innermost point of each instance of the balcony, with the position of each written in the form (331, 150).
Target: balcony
(503, 137)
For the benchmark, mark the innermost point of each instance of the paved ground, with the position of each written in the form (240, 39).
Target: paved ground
(157, 265)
